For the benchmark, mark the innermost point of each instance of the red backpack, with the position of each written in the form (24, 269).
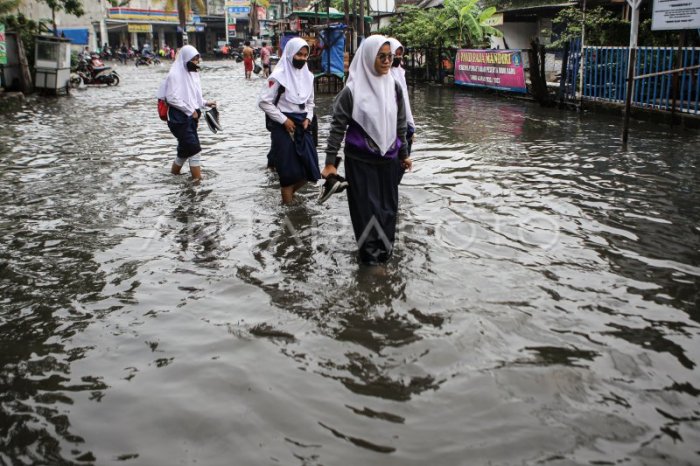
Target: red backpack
(163, 109)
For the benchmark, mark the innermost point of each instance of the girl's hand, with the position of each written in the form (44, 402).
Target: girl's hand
(289, 126)
(306, 123)
(211, 103)
(407, 164)
(329, 170)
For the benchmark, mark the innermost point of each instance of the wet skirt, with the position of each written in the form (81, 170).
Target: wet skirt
(294, 158)
(184, 128)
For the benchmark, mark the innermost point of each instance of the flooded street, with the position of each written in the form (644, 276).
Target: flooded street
(541, 307)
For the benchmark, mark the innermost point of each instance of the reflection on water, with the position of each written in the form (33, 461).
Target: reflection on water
(541, 306)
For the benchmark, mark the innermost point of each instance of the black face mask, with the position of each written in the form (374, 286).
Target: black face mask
(396, 62)
(298, 64)
(191, 67)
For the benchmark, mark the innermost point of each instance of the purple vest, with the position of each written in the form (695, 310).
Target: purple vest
(358, 141)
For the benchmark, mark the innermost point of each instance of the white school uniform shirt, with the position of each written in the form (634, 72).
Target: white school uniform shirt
(298, 96)
(267, 97)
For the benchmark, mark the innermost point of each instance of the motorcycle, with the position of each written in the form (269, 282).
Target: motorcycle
(146, 60)
(94, 72)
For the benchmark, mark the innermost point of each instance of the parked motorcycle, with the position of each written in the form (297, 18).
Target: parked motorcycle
(94, 72)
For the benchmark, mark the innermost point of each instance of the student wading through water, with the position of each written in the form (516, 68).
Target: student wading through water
(287, 98)
(182, 90)
(370, 113)
(399, 75)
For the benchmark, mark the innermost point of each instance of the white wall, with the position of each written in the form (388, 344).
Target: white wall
(516, 35)
(382, 6)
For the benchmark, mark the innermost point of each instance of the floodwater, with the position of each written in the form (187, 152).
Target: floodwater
(541, 308)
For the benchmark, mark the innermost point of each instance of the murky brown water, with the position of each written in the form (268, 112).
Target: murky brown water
(542, 307)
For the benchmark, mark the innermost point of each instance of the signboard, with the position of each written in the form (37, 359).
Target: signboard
(237, 8)
(675, 14)
(494, 69)
(230, 27)
(3, 46)
(147, 28)
(495, 20)
(194, 28)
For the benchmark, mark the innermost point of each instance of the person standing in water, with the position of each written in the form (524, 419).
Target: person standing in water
(182, 90)
(248, 55)
(399, 75)
(370, 113)
(287, 98)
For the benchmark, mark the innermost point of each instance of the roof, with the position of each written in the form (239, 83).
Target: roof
(429, 3)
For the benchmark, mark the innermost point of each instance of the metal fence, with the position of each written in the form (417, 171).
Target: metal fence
(604, 76)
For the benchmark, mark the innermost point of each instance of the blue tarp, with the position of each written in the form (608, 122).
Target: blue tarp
(336, 47)
(78, 36)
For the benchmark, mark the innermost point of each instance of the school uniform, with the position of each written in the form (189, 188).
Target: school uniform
(369, 113)
(182, 90)
(399, 74)
(289, 93)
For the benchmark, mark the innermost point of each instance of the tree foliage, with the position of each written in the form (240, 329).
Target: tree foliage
(603, 27)
(606, 28)
(7, 6)
(459, 23)
(72, 7)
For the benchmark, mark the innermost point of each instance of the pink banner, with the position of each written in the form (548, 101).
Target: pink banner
(495, 69)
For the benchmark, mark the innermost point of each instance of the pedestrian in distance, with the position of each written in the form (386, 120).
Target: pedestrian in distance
(399, 74)
(287, 98)
(248, 56)
(265, 53)
(182, 90)
(370, 113)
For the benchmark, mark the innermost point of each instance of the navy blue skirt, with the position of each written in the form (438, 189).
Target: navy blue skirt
(373, 199)
(295, 158)
(184, 128)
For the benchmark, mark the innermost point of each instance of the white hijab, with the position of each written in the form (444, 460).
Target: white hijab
(374, 95)
(298, 84)
(181, 83)
(399, 75)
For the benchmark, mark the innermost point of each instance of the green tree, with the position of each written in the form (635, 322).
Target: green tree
(7, 6)
(459, 23)
(414, 27)
(464, 19)
(73, 7)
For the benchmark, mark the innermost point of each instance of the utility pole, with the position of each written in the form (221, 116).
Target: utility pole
(361, 29)
(631, 62)
(183, 7)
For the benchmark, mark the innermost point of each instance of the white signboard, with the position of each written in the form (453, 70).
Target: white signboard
(675, 14)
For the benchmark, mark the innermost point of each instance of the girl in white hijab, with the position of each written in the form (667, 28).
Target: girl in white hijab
(287, 98)
(399, 75)
(370, 114)
(182, 91)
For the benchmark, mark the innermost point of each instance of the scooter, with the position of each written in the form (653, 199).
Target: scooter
(147, 60)
(94, 73)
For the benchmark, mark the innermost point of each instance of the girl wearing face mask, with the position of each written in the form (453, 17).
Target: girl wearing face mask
(287, 98)
(371, 114)
(182, 90)
(399, 75)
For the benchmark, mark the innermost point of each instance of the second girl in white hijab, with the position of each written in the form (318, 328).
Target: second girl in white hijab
(287, 99)
(399, 75)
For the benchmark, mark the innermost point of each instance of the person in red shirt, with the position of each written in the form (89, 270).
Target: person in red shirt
(265, 59)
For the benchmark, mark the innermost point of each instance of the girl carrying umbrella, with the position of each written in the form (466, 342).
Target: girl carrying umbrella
(182, 91)
(287, 98)
(370, 113)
